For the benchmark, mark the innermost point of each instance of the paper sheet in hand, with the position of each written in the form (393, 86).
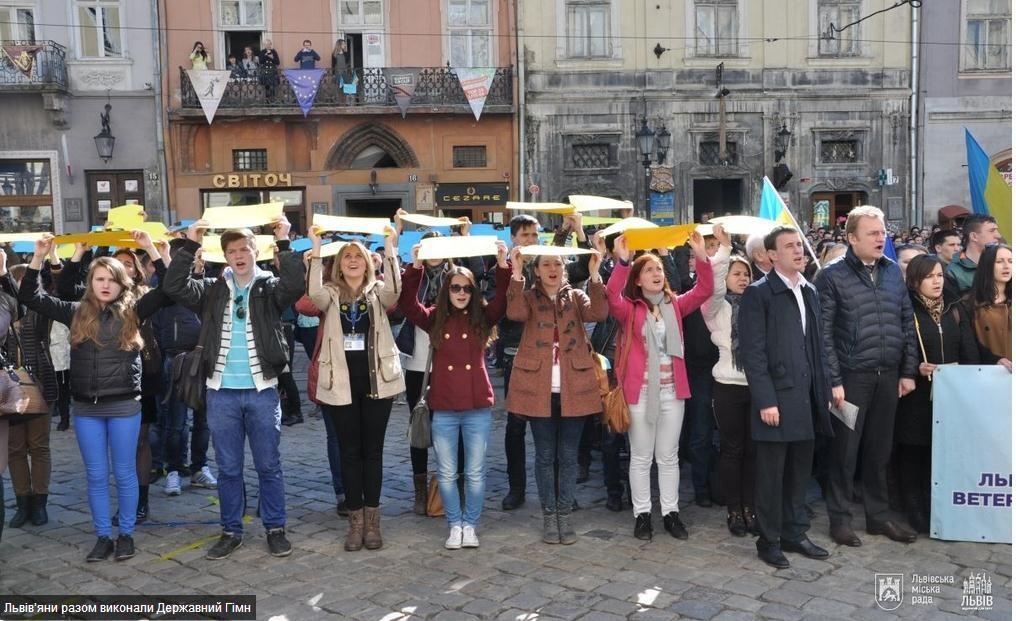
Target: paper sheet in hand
(155, 230)
(457, 247)
(662, 237)
(211, 248)
(332, 249)
(559, 208)
(847, 413)
(583, 202)
(343, 224)
(10, 238)
(126, 217)
(745, 225)
(242, 216)
(425, 220)
(552, 251)
(628, 223)
(120, 239)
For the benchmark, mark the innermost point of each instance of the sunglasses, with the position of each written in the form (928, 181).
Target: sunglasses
(460, 288)
(241, 311)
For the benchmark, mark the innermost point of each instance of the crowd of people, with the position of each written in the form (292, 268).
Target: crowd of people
(742, 339)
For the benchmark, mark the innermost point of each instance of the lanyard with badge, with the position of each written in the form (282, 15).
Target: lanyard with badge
(354, 341)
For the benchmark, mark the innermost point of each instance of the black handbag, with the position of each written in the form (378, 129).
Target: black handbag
(405, 341)
(187, 373)
(419, 419)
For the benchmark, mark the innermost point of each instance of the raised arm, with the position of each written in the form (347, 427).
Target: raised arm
(30, 295)
(389, 295)
(179, 285)
(518, 306)
(691, 301)
(720, 263)
(497, 306)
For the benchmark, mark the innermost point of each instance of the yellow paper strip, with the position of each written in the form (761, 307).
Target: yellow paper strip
(343, 224)
(456, 247)
(627, 223)
(120, 239)
(583, 202)
(598, 220)
(126, 217)
(745, 225)
(211, 248)
(155, 230)
(242, 216)
(662, 237)
(65, 251)
(425, 220)
(332, 249)
(558, 208)
(10, 238)
(552, 251)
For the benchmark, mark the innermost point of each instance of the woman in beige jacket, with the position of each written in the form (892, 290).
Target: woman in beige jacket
(358, 372)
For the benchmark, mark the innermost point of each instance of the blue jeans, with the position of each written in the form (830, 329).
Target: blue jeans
(556, 440)
(100, 437)
(334, 456)
(702, 425)
(232, 415)
(475, 428)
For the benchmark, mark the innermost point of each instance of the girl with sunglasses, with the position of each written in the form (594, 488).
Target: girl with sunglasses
(461, 325)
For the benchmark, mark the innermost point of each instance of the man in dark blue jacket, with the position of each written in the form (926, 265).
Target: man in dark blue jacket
(781, 350)
(871, 350)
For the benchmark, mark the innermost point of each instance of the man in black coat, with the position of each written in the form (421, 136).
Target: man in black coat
(871, 351)
(780, 324)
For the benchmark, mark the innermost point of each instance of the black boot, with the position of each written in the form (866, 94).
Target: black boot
(142, 513)
(21, 515)
(39, 515)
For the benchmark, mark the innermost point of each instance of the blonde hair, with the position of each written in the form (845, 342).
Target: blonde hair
(346, 294)
(85, 326)
(864, 211)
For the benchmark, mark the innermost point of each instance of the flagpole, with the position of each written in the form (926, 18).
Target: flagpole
(804, 238)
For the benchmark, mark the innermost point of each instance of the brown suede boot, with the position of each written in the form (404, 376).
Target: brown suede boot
(420, 494)
(354, 538)
(372, 528)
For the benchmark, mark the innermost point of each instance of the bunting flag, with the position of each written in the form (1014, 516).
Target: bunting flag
(304, 83)
(209, 86)
(989, 193)
(475, 82)
(402, 83)
(22, 57)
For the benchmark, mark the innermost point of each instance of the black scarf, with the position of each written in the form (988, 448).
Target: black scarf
(734, 299)
(433, 278)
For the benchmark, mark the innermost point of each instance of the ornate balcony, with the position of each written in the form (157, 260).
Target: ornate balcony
(32, 66)
(437, 90)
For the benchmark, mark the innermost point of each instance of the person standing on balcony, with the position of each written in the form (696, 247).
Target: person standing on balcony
(199, 58)
(268, 61)
(249, 63)
(340, 65)
(307, 57)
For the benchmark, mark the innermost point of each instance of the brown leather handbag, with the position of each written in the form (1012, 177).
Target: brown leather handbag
(20, 391)
(615, 408)
(435, 508)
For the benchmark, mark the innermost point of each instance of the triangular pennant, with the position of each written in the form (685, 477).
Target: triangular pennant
(209, 86)
(475, 83)
(22, 57)
(402, 83)
(304, 83)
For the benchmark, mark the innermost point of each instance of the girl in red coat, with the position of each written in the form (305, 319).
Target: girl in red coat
(460, 325)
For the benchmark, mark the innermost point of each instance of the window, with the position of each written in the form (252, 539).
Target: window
(361, 12)
(839, 13)
(469, 157)
(709, 153)
(986, 36)
(26, 196)
(593, 155)
(17, 24)
(840, 152)
(246, 13)
(716, 27)
(373, 157)
(588, 29)
(470, 31)
(99, 28)
(250, 159)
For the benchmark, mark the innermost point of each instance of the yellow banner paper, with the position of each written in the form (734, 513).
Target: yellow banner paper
(626, 224)
(343, 224)
(563, 209)
(155, 230)
(332, 249)
(10, 238)
(552, 251)
(598, 220)
(456, 247)
(120, 239)
(242, 216)
(425, 220)
(745, 225)
(583, 202)
(661, 237)
(211, 248)
(126, 217)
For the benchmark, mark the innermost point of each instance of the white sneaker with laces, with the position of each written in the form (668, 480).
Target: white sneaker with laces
(173, 483)
(204, 478)
(454, 541)
(469, 538)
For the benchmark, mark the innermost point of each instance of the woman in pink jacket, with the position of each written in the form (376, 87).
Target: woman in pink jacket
(653, 375)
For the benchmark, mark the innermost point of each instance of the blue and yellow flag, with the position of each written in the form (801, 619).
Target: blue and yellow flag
(989, 193)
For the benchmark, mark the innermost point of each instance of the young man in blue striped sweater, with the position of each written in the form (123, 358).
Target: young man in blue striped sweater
(244, 352)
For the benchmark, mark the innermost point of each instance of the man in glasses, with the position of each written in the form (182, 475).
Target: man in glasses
(244, 352)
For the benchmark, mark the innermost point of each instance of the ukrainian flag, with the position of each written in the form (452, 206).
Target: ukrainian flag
(771, 206)
(989, 193)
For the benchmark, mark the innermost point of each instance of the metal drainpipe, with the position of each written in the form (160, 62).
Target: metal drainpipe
(521, 53)
(918, 210)
(160, 139)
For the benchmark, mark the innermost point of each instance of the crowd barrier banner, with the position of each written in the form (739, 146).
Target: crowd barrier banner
(971, 474)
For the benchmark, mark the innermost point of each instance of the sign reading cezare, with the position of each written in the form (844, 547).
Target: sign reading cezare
(253, 180)
(475, 193)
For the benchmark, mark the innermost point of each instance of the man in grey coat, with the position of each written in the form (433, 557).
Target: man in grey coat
(780, 327)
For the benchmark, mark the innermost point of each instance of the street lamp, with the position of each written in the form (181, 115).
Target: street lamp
(651, 141)
(782, 142)
(105, 140)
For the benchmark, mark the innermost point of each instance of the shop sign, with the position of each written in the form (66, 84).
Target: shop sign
(253, 180)
(457, 194)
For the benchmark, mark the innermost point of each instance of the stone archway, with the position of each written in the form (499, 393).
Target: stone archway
(371, 134)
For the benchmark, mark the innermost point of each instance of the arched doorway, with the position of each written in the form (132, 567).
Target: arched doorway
(371, 147)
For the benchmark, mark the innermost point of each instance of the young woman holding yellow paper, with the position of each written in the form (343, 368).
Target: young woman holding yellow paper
(358, 371)
(653, 377)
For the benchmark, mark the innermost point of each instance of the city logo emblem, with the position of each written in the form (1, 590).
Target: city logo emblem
(977, 591)
(888, 591)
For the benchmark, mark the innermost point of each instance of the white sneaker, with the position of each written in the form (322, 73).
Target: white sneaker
(204, 478)
(469, 538)
(173, 483)
(454, 541)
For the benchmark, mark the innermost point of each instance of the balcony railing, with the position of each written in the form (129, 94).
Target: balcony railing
(435, 87)
(49, 67)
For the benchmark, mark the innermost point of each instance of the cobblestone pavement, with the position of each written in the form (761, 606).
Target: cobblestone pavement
(608, 575)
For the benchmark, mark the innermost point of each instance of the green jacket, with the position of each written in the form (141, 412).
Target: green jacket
(961, 272)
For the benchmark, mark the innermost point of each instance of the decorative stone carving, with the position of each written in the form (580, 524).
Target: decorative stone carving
(662, 179)
(102, 79)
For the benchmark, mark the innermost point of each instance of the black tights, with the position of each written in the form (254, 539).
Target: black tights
(360, 427)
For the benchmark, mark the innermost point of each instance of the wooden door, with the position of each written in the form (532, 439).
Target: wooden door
(112, 189)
